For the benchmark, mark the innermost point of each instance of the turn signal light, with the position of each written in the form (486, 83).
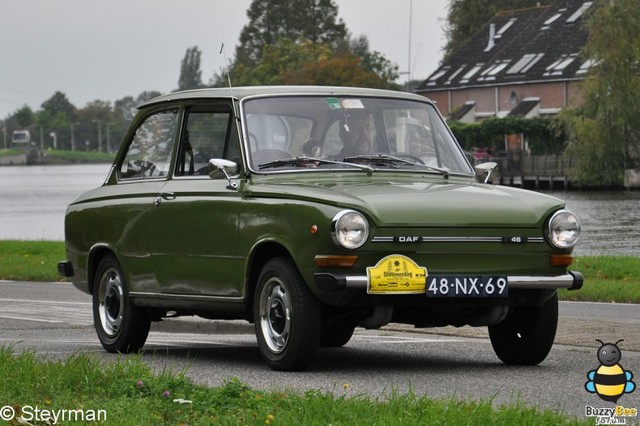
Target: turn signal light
(335, 261)
(561, 260)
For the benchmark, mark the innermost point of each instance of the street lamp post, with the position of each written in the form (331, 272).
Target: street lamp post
(108, 138)
(99, 134)
(73, 143)
(4, 133)
(55, 140)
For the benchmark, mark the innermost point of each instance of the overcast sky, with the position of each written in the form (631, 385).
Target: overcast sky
(109, 49)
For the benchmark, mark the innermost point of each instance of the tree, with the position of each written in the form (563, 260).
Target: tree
(59, 103)
(296, 42)
(190, 73)
(24, 116)
(270, 20)
(467, 17)
(57, 115)
(605, 130)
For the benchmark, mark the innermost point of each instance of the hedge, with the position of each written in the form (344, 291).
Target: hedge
(544, 136)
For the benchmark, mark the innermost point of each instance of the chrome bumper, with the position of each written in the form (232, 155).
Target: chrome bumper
(571, 281)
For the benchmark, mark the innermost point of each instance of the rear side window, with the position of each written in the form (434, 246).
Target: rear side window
(149, 152)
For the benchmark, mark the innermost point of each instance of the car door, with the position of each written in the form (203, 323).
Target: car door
(123, 214)
(194, 229)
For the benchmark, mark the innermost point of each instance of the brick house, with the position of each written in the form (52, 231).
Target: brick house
(524, 62)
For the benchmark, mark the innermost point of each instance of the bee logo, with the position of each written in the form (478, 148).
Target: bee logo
(610, 381)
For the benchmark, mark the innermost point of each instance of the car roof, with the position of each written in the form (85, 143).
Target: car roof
(242, 92)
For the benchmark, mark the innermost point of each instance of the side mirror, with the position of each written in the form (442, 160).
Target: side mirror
(485, 168)
(220, 168)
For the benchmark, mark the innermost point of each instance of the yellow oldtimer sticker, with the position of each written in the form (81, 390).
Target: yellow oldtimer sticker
(396, 274)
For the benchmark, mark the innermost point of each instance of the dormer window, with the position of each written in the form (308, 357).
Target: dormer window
(436, 76)
(505, 27)
(470, 73)
(525, 63)
(491, 72)
(578, 13)
(455, 74)
(560, 65)
(554, 18)
(584, 68)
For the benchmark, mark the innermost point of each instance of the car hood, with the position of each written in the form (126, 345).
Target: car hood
(416, 204)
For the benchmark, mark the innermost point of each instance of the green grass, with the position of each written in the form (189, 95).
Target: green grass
(607, 278)
(129, 393)
(30, 260)
(12, 151)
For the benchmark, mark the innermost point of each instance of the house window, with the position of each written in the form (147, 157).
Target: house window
(491, 72)
(505, 27)
(560, 65)
(525, 63)
(455, 74)
(436, 76)
(584, 68)
(553, 19)
(578, 13)
(471, 73)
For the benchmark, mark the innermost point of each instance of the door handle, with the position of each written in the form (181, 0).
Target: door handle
(164, 196)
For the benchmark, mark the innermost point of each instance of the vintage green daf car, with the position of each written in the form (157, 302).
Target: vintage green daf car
(310, 211)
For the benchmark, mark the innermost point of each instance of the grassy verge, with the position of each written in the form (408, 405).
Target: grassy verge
(30, 260)
(12, 151)
(607, 278)
(58, 156)
(127, 392)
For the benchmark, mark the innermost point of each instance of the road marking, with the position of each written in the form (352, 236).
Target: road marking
(31, 319)
(405, 339)
(45, 301)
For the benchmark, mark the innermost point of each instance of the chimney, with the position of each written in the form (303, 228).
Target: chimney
(492, 37)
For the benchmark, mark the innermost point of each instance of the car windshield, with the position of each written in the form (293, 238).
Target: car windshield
(351, 133)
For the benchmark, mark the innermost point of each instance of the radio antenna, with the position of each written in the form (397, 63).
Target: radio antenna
(226, 68)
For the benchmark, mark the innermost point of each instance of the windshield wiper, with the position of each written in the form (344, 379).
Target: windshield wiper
(304, 161)
(393, 161)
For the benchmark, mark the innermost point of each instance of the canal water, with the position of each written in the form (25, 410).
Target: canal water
(33, 200)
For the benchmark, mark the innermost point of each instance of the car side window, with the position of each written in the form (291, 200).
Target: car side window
(208, 134)
(149, 152)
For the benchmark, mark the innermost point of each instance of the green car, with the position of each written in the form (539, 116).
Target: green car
(310, 211)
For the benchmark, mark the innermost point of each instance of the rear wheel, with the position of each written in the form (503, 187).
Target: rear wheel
(121, 326)
(526, 335)
(287, 317)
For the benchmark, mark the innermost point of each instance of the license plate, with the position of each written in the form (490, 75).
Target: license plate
(467, 286)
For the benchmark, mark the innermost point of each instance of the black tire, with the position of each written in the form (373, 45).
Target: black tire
(287, 317)
(121, 326)
(526, 335)
(335, 335)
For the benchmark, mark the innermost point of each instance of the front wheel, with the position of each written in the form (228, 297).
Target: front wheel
(287, 317)
(121, 326)
(527, 333)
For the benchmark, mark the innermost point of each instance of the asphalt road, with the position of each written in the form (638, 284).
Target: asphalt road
(55, 320)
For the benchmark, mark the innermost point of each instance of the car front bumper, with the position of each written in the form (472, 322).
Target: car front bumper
(572, 280)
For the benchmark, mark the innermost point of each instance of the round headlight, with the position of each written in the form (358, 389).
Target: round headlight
(564, 229)
(349, 229)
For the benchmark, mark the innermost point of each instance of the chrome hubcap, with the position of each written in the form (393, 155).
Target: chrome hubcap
(275, 315)
(111, 302)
